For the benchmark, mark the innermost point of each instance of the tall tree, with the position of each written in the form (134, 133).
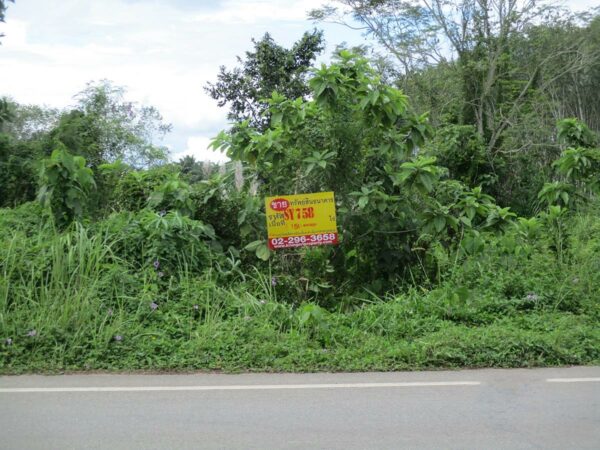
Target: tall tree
(270, 67)
(6, 113)
(26, 122)
(105, 127)
(478, 37)
(505, 70)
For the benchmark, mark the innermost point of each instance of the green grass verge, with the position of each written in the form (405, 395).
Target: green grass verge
(220, 329)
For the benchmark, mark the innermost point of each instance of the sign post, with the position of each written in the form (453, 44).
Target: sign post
(301, 220)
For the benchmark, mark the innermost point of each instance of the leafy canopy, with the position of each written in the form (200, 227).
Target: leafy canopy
(270, 67)
(104, 127)
(356, 137)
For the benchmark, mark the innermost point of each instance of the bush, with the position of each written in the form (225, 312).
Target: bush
(134, 190)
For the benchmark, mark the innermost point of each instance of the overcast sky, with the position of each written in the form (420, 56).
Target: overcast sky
(163, 52)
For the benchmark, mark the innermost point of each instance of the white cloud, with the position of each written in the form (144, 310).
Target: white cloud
(163, 52)
(247, 12)
(162, 57)
(197, 146)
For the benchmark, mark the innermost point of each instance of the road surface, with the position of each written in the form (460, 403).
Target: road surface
(470, 409)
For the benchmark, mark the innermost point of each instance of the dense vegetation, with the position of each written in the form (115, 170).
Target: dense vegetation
(468, 212)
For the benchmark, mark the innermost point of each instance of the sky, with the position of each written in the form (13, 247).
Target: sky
(163, 52)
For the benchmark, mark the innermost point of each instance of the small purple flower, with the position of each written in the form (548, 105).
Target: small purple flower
(161, 274)
(156, 263)
(8, 341)
(32, 333)
(196, 307)
(118, 338)
(274, 281)
(153, 306)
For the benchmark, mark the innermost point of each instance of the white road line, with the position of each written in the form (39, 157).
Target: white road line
(572, 380)
(249, 387)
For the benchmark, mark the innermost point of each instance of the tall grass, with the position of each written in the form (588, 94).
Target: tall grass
(53, 286)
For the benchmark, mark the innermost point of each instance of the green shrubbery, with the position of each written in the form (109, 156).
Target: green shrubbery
(131, 269)
(69, 301)
(84, 299)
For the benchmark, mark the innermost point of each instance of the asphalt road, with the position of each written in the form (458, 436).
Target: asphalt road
(473, 409)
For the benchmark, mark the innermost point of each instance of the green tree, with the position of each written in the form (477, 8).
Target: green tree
(105, 127)
(270, 67)
(357, 137)
(18, 170)
(508, 69)
(577, 167)
(480, 38)
(194, 171)
(27, 122)
(6, 114)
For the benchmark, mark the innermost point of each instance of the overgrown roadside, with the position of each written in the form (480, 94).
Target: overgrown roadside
(69, 302)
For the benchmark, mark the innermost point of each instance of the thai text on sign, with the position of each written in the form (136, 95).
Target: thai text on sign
(301, 220)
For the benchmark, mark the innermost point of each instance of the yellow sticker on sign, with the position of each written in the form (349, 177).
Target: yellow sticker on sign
(299, 220)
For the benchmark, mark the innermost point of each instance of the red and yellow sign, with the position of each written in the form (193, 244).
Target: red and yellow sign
(299, 220)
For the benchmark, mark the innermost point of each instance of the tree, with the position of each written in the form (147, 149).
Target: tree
(18, 170)
(195, 171)
(405, 30)
(357, 137)
(270, 67)
(27, 122)
(572, 93)
(6, 114)
(510, 69)
(104, 127)
(480, 37)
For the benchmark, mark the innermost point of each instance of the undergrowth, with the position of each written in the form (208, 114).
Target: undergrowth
(75, 300)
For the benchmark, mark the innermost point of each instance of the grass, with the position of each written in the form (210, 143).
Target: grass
(69, 301)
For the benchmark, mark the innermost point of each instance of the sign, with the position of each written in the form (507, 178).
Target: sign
(301, 220)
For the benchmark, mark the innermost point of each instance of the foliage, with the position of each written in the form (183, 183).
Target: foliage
(104, 127)
(575, 133)
(578, 167)
(194, 171)
(218, 203)
(93, 309)
(387, 203)
(65, 186)
(174, 194)
(6, 115)
(149, 265)
(134, 188)
(27, 122)
(164, 241)
(506, 70)
(462, 150)
(267, 69)
(18, 170)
